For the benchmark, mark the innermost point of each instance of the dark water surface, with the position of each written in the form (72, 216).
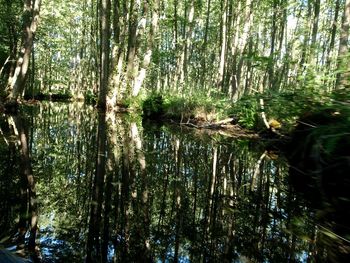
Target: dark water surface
(120, 191)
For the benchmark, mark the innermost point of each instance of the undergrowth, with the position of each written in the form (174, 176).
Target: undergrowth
(285, 107)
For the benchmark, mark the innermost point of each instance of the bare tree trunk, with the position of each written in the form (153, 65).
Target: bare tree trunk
(30, 22)
(315, 23)
(150, 43)
(120, 23)
(343, 56)
(239, 47)
(220, 79)
(132, 40)
(105, 42)
(270, 65)
(188, 37)
(333, 32)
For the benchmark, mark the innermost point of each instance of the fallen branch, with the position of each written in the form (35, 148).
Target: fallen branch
(215, 125)
(263, 115)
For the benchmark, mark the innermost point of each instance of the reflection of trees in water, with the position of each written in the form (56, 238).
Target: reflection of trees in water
(111, 190)
(19, 204)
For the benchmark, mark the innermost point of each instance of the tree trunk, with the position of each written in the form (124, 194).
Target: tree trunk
(315, 21)
(119, 32)
(205, 44)
(220, 80)
(150, 43)
(333, 32)
(270, 66)
(133, 10)
(105, 42)
(30, 22)
(343, 56)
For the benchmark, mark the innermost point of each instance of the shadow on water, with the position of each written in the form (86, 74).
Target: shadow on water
(108, 189)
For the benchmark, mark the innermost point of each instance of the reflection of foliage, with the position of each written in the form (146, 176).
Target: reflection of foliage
(196, 199)
(62, 150)
(9, 188)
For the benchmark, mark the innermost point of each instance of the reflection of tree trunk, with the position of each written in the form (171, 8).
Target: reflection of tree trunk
(28, 184)
(212, 184)
(145, 231)
(107, 208)
(209, 197)
(257, 171)
(126, 179)
(176, 206)
(93, 243)
(195, 190)
(163, 204)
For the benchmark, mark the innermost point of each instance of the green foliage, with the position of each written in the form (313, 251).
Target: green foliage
(200, 107)
(286, 107)
(152, 107)
(90, 97)
(246, 111)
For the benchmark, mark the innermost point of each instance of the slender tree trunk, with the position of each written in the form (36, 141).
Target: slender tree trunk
(150, 43)
(220, 80)
(333, 32)
(315, 21)
(306, 42)
(120, 24)
(132, 40)
(239, 48)
(314, 33)
(271, 64)
(343, 52)
(205, 44)
(105, 42)
(30, 22)
(188, 37)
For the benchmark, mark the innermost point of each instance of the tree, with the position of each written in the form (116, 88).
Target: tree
(105, 43)
(9, 37)
(29, 27)
(343, 66)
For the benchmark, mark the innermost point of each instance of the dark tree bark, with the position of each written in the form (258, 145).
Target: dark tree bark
(93, 242)
(343, 53)
(333, 32)
(105, 43)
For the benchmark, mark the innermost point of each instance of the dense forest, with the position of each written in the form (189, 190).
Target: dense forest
(114, 51)
(89, 173)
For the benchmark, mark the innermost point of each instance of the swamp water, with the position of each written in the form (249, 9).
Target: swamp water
(120, 191)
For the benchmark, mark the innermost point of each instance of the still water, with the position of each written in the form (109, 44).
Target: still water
(79, 186)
